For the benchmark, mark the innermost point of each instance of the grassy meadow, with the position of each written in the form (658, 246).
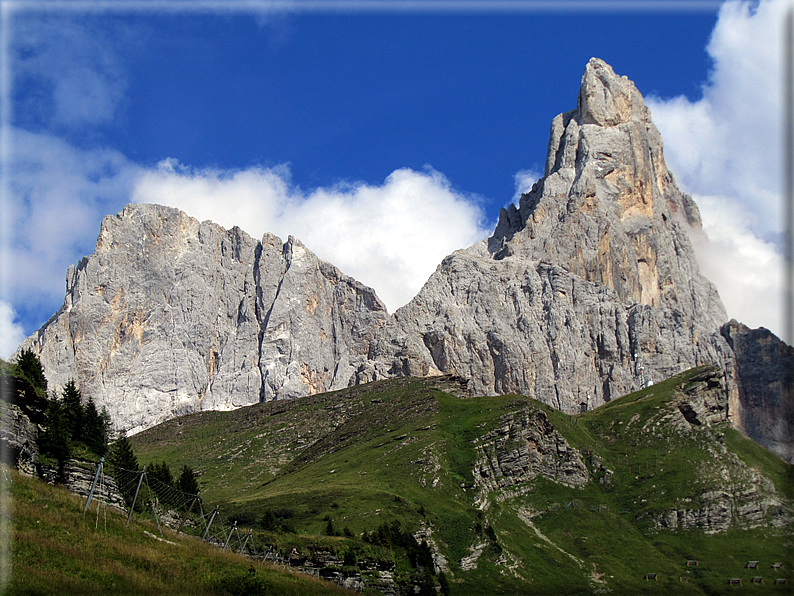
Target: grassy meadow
(403, 451)
(55, 550)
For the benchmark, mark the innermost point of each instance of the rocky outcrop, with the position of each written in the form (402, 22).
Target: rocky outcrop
(425, 534)
(18, 439)
(765, 378)
(525, 446)
(703, 399)
(78, 477)
(750, 501)
(371, 574)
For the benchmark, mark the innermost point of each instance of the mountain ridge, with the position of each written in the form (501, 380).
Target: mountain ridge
(586, 291)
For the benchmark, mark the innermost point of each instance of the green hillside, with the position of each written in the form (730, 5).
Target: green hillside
(56, 550)
(516, 497)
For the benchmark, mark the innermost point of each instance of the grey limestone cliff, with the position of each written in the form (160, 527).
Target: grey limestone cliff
(765, 401)
(590, 286)
(171, 315)
(18, 439)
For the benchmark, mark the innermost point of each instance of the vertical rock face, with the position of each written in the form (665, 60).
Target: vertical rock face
(590, 286)
(765, 373)
(170, 315)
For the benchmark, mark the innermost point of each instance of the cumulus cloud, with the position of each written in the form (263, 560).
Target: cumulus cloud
(11, 332)
(725, 150)
(746, 269)
(389, 236)
(67, 82)
(56, 197)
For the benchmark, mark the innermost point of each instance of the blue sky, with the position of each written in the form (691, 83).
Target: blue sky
(382, 138)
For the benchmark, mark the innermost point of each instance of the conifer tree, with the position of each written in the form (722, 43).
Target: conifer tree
(124, 466)
(187, 482)
(29, 363)
(26, 386)
(161, 472)
(444, 583)
(267, 521)
(54, 441)
(107, 426)
(162, 482)
(72, 411)
(93, 429)
(122, 456)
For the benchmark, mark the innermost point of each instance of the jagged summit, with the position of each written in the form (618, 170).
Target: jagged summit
(608, 209)
(171, 315)
(607, 99)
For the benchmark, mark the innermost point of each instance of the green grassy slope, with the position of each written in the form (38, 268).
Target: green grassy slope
(55, 550)
(405, 450)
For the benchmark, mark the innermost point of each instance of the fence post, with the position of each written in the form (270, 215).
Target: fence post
(189, 509)
(229, 537)
(93, 486)
(212, 517)
(135, 498)
(242, 548)
(267, 553)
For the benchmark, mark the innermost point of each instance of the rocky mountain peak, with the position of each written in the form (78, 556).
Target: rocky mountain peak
(608, 209)
(589, 287)
(607, 99)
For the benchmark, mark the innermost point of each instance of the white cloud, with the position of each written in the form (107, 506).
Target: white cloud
(725, 149)
(389, 236)
(66, 73)
(11, 333)
(524, 179)
(746, 270)
(56, 197)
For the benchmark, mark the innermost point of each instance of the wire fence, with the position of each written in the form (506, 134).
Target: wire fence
(149, 499)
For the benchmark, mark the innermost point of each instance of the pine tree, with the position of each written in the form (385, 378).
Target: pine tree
(161, 482)
(122, 457)
(54, 441)
(72, 411)
(93, 434)
(187, 482)
(444, 583)
(124, 467)
(161, 472)
(267, 521)
(26, 386)
(31, 366)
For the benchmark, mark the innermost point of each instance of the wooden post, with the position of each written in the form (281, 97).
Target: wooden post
(212, 517)
(242, 548)
(189, 509)
(93, 486)
(135, 498)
